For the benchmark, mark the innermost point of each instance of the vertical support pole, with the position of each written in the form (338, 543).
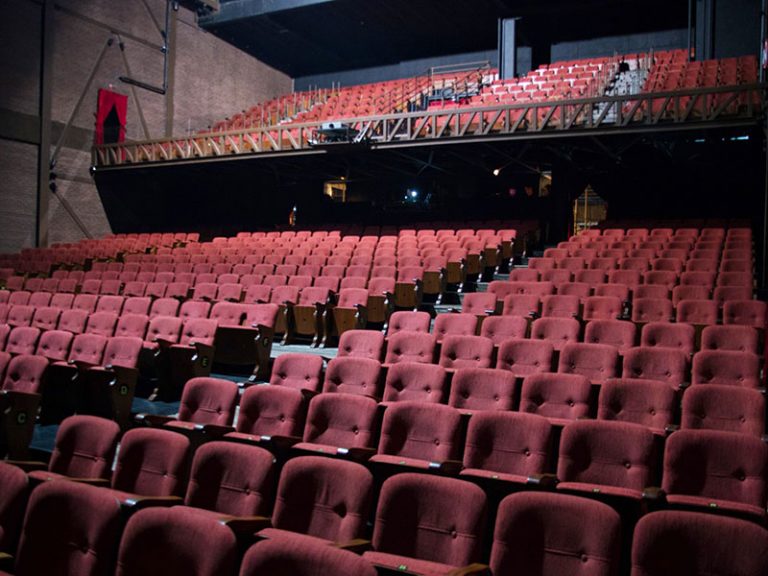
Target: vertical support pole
(764, 265)
(171, 22)
(690, 29)
(763, 24)
(44, 146)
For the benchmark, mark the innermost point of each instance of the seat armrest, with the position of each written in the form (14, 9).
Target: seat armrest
(153, 419)
(669, 428)
(765, 438)
(359, 454)
(543, 480)
(137, 502)
(246, 524)
(204, 349)
(451, 467)
(6, 562)
(284, 442)
(163, 343)
(80, 365)
(476, 568)
(654, 494)
(217, 430)
(101, 482)
(358, 545)
(28, 465)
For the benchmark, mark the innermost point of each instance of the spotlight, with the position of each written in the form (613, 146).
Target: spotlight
(496, 171)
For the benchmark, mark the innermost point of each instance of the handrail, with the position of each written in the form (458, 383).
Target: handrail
(670, 108)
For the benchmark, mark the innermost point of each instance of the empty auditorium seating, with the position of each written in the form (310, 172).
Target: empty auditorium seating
(419, 435)
(415, 381)
(13, 501)
(647, 402)
(664, 364)
(507, 446)
(300, 556)
(480, 389)
(522, 357)
(354, 376)
(605, 457)
(269, 411)
(87, 515)
(296, 370)
(340, 423)
(726, 367)
(325, 498)
(85, 449)
(442, 532)
(597, 362)
(559, 397)
(713, 544)
(542, 533)
(410, 347)
(150, 462)
(361, 343)
(197, 543)
(231, 479)
(721, 407)
(716, 469)
(19, 402)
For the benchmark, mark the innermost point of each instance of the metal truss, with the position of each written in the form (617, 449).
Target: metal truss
(669, 111)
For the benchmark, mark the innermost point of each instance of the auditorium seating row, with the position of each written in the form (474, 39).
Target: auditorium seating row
(233, 249)
(423, 523)
(667, 71)
(162, 319)
(446, 530)
(672, 71)
(342, 413)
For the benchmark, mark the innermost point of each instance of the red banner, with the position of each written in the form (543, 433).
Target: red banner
(111, 115)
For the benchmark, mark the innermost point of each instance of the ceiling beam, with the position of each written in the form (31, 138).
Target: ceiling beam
(236, 10)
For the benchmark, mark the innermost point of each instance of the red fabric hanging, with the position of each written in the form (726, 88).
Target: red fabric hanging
(107, 101)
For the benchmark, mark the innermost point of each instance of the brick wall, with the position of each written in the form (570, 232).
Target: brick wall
(212, 80)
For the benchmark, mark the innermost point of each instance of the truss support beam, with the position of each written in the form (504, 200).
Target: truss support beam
(694, 109)
(44, 181)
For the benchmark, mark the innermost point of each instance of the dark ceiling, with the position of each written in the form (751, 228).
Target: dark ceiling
(306, 37)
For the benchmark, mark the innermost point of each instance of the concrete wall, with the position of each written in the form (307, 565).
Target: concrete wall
(210, 80)
(663, 40)
(405, 69)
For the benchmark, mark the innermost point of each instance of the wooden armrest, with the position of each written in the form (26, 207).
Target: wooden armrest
(358, 545)
(204, 349)
(360, 454)
(80, 365)
(124, 373)
(654, 493)
(283, 442)
(163, 343)
(246, 524)
(28, 465)
(447, 467)
(140, 502)
(153, 419)
(543, 480)
(669, 428)
(6, 562)
(103, 483)
(476, 568)
(217, 430)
